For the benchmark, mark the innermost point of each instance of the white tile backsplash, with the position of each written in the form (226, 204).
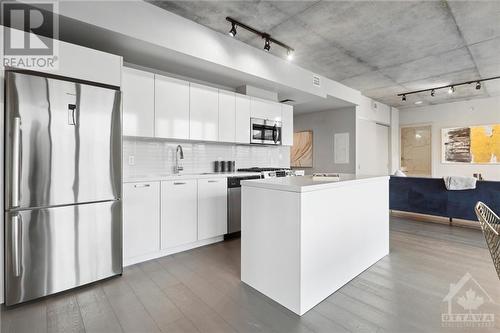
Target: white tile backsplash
(154, 157)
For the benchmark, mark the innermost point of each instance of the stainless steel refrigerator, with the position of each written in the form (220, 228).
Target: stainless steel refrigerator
(63, 218)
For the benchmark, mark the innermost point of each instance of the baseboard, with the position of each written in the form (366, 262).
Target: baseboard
(166, 252)
(436, 219)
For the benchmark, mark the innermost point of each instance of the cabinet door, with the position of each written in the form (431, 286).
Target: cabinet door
(260, 108)
(242, 119)
(212, 207)
(138, 90)
(178, 212)
(203, 113)
(227, 104)
(171, 108)
(287, 129)
(141, 219)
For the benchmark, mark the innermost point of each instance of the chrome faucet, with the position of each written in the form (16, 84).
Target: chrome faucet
(178, 156)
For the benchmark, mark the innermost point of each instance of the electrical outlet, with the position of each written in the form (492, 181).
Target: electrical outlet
(131, 160)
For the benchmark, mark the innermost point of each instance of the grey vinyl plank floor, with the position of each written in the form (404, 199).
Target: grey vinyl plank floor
(200, 291)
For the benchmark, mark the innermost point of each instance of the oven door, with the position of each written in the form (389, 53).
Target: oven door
(265, 132)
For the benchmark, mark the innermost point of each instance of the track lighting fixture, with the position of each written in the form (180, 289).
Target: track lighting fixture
(232, 32)
(451, 87)
(267, 45)
(268, 39)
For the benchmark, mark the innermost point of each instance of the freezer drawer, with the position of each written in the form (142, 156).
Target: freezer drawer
(55, 249)
(62, 143)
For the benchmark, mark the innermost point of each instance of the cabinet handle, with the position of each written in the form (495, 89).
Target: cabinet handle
(179, 183)
(213, 181)
(142, 185)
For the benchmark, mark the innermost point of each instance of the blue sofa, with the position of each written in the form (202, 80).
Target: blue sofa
(430, 196)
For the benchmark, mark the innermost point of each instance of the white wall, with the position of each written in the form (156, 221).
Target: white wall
(474, 112)
(324, 125)
(370, 145)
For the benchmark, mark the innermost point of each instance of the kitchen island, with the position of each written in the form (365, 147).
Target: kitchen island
(302, 239)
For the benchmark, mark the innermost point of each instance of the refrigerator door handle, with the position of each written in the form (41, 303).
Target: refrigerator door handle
(16, 225)
(16, 156)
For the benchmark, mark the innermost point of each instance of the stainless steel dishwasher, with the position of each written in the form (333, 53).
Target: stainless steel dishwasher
(234, 204)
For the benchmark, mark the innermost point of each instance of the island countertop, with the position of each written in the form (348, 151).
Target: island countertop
(307, 184)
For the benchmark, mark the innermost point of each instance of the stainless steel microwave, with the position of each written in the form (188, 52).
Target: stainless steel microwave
(265, 132)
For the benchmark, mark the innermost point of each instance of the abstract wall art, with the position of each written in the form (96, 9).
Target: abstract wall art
(472, 144)
(302, 150)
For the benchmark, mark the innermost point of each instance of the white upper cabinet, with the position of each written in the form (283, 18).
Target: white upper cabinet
(227, 104)
(212, 207)
(287, 126)
(179, 204)
(138, 102)
(260, 108)
(204, 113)
(141, 219)
(171, 108)
(242, 119)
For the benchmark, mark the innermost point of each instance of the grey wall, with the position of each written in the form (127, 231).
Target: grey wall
(324, 125)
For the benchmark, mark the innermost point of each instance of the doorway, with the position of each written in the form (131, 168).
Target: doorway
(416, 153)
(382, 149)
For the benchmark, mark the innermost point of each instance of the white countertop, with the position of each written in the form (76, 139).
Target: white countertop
(307, 184)
(152, 178)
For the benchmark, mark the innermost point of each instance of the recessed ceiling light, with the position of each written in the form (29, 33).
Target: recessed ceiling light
(451, 90)
(418, 102)
(289, 55)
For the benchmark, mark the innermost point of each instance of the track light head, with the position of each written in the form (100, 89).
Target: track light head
(289, 54)
(403, 98)
(267, 45)
(433, 92)
(232, 32)
(451, 90)
(478, 85)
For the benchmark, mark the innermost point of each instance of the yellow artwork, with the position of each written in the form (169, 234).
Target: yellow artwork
(473, 144)
(485, 144)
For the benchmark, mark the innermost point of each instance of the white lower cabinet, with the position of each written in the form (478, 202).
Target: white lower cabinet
(141, 219)
(212, 207)
(178, 212)
(165, 217)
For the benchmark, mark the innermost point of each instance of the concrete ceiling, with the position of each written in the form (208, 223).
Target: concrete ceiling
(381, 48)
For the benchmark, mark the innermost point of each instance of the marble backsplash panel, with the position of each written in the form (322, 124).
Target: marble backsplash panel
(144, 157)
